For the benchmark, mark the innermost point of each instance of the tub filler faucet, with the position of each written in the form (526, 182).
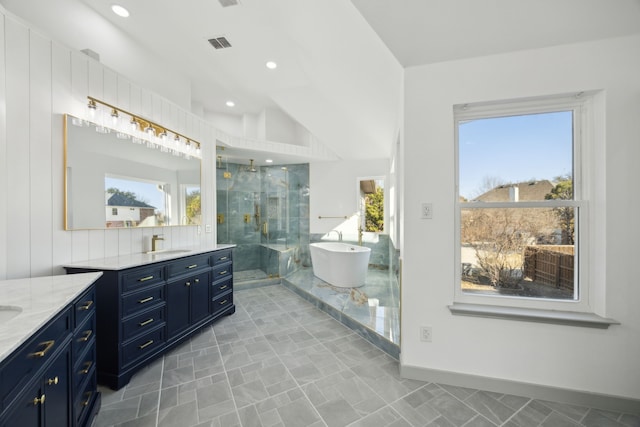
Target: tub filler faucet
(360, 232)
(339, 234)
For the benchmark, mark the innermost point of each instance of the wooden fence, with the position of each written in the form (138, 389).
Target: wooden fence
(550, 264)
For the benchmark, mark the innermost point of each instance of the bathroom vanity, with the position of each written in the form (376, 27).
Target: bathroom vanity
(149, 303)
(47, 351)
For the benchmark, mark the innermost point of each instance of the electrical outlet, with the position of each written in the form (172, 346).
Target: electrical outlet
(207, 228)
(427, 211)
(425, 334)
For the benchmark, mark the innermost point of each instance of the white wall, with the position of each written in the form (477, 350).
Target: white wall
(39, 81)
(581, 359)
(335, 192)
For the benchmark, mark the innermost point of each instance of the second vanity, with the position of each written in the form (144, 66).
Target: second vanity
(149, 303)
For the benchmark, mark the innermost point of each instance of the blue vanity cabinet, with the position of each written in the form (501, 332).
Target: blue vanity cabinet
(38, 380)
(147, 309)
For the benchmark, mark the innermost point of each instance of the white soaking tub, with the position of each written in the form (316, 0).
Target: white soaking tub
(340, 264)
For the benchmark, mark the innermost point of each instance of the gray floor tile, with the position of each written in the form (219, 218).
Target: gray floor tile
(280, 362)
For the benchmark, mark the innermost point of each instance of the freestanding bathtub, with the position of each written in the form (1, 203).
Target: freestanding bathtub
(340, 264)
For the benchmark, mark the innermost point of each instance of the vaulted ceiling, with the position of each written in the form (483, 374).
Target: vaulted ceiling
(340, 63)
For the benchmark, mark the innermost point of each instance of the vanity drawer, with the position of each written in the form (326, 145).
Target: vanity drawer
(188, 265)
(33, 354)
(142, 300)
(84, 366)
(85, 306)
(141, 346)
(222, 302)
(84, 399)
(221, 257)
(221, 286)
(83, 336)
(142, 322)
(222, 272)
(139, 277)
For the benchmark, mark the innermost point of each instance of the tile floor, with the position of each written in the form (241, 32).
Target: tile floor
(279, 361)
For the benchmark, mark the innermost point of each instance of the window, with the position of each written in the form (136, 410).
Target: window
(521, 206)
(371, 202)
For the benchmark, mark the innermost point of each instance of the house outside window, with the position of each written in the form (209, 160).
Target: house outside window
(521, 214)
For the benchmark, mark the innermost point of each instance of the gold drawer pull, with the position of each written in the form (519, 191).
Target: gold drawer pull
(87, 335)
(192, 266)
(87, 365)
(142, 301)
(224, 302)
(146, 322)
(48, 345)
(39, 400)
(224, 258)
(144, 279)
(145, 345)
(53, 381)
(87, 305)
(222, 273)
(86, 402)
(222, 288)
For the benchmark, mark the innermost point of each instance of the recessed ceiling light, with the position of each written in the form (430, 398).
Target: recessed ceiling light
(120, 11)
(269, 161)
(230, 104)
(271, 65)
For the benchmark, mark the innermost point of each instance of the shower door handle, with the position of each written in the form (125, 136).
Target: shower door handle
(265, 228)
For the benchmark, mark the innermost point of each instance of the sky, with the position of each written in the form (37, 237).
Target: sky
(146, 192)
(514, 149)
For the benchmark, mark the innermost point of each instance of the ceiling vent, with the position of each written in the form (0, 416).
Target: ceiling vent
(227, 3)
(220, 42)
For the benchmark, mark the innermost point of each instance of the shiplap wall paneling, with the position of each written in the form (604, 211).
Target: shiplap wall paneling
(80, 86)
(109, 87)
(111, 242)
(96, 79)
(61, 102)
(41, 190)
(124, 94)
(18, 162)
(3, 156)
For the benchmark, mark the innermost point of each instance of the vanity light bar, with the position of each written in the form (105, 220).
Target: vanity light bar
(147, 126)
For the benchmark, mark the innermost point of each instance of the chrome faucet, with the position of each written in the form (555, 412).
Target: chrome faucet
(339, 234)
(154, 239)
(360, 232)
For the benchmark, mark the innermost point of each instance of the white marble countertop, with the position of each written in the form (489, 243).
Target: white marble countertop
(134, 260)
(38, 299)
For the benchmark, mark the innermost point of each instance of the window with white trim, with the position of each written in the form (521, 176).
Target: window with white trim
(521, 214)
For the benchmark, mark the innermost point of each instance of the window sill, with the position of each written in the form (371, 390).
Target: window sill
(569, 318)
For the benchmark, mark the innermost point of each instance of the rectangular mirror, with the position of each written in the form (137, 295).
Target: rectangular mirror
(113, 182)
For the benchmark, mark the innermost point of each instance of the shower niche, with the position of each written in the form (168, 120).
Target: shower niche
(264, 211)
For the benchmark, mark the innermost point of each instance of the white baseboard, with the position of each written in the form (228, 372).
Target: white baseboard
(534, 391)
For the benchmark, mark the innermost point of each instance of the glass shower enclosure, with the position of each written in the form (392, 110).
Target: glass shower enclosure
(264, 211)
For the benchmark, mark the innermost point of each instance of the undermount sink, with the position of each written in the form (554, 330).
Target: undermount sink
(8, 312)
(169, 252)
